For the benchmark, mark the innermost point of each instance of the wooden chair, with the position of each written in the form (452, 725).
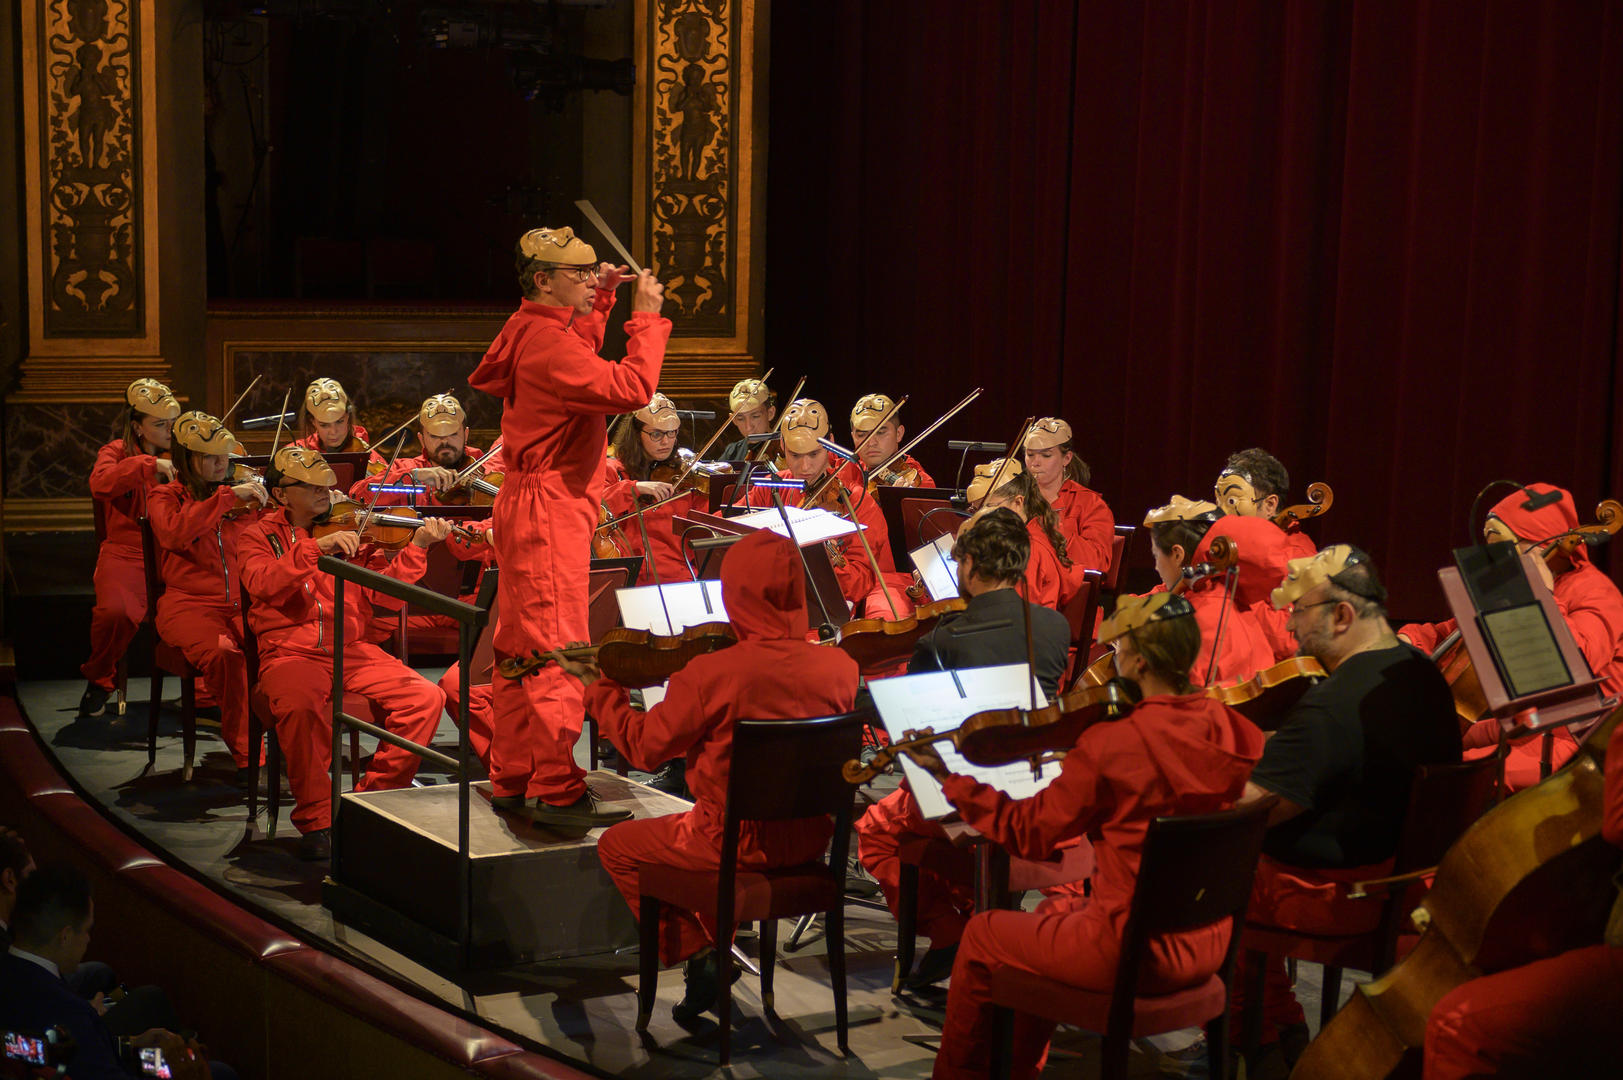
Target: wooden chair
(167, 660)
(1197, 870)
(760, 789)
(449, 576)
(1081, 612)
(121, 671)
(1118, 552)
(925, 519)
(603, 615)
(1444, 801)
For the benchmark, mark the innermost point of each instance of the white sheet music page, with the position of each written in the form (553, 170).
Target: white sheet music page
(690, 603)
(932, 699)
(812, 526)
(937, 568)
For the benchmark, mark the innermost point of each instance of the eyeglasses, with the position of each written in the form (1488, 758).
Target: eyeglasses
(1294, 608)
(660, 436)
(575, 273)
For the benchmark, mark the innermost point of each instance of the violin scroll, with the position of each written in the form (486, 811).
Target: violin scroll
(1319, 499)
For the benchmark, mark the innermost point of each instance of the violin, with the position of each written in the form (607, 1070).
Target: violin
(685, 472)
(1319, 499)
(636, 659)
(238, 473)
(1266, 697)
(1002, 736)
(1531, 879)
(390, 529)
(609, 541)
(877, 644)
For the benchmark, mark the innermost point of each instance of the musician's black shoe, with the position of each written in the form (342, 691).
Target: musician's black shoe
(94, 701)
(316, 846)
(702, 982)
(671, 779)
(583, 813)
(1293, 1040)
(512, 804)
(935, 966)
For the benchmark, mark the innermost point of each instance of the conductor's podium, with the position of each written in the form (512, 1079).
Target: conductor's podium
(535, 895)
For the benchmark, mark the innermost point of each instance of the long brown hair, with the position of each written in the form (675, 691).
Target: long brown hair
(1038, 509)
(186, 472)
(629, 451)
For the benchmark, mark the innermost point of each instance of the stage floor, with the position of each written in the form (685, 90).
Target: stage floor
(583, 1009)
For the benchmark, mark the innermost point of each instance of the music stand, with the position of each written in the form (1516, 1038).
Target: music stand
(822, 586)
(896, 520)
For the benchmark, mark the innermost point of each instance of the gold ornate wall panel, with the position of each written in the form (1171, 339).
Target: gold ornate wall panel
(696, 174)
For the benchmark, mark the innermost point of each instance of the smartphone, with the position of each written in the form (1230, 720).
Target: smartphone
(28, 1049)
(153, 1064)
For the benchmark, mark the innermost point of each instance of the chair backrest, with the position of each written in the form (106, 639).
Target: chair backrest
(1444, 801)
(1196, 870)
(483, 661)
(1118, 555)
(603, 610)
(1080, 609)
(443, 574)
(925, 519)
(149, 564)
(761, 788)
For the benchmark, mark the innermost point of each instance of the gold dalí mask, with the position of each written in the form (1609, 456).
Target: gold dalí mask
(442, 415)
(203, 434)
(869, 410)
(1236, 495)
(559, 247)
(326, 400)
(304, 465)
(804, 422)
(1048, 433)
(659, 414)
(149, 397)
(998, 472)
(1133, 612)
(1308, 573)
(1495, 531)
(1181, 509)
(747, 395)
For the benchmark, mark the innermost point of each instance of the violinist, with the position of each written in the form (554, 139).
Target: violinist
(1585, 596)
(327, 421)
(1180, 539)
(804, 423)
(1085, 521)
(292, 616)
(1556, 1016)
(555, 392)
(1342, 763)
(126, 470)
(1052, 578)
(647, 443)
(442, 432)
(772, 673)
(875, 439)
(754, 407)
(991, 551)
(198, 522)
(1177, 752)
(1254, 483)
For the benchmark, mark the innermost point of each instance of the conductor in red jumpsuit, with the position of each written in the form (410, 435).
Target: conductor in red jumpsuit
(126, 470)
(1085, 520)
(1586, 598)
(555, 390)
(292, 614)
(198, 522)
(1252, 484)
(1052, 577)
(1177, 752)
(771, 674)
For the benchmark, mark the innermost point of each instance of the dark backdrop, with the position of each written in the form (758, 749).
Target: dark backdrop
(1379, 239)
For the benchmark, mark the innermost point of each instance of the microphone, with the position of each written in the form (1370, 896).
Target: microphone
(1538, 500)
(836, 449)
(696, 414)
(258, 423)
(765, 436)
(977, 447)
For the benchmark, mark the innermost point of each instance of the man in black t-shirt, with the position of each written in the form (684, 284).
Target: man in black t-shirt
(1342, 762)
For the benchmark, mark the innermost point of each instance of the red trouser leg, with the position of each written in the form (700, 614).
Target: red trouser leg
(1555, 1017)
(299, 687)
(211, 638)
(944, 902)
(121, 604)
(1524, 760)
(479, 710)
(543, 545)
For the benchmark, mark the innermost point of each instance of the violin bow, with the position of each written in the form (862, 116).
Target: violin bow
(788, 527)
(903, 451)
(707, 446)
(845, 497)
(467, 470)
(250, 386)
(1016, 446)
(777, 428)
(277, 438)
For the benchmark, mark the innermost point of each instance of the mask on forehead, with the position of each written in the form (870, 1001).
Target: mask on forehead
(1182, 509)
(204, 434)
(748, 395)
(1048, 433)
(1495, 531)
(149, 397)
(560, 247)
(441, 415)
(804, 422)
(1307, 574)
(990, 476)
(659, 414)
(326, 401)
(1134, 612)
(867, 412)
(304, 465)
(1236, 494)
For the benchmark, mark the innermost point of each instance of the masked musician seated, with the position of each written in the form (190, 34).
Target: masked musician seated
(804, 423)
(1177, 752)
(1586, 597)
(1254, 483)
(1342, 763)
(754, 407)
(649, 441)
(773, 673)
(991, 551)
(327, 421)
(1232, 644)
(198, 522)
(1062, 476)
(1052, 578)
(292, 615)
(876, 434)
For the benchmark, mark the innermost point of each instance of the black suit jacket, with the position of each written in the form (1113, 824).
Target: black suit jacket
(32, 999)
(992, 631)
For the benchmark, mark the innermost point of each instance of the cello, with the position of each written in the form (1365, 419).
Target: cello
(1531, 879)
(1319, 499)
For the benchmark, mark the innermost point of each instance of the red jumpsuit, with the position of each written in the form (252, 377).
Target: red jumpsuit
(556, 391)
(1087, 524)
(1555, 1017)
(856, 577)
(200, 611)
(1265, 551)
(771, 674)
(120, 483)
(1049, 583)
(362, 488)
(292, 616)
(850, 473)
(1172, 755)
(669, 560)
(356, 442)
(1593, 609)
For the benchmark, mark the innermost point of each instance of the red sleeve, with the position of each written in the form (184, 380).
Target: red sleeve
(176, 522)
(114, 474)
(267, 577)
(1096, 537)
(649, 739)
(583, 379)
(1612, 823)
(1032, 828)
(1427, 636)
(1594, 613)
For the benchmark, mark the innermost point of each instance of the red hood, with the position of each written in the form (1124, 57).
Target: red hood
(1264, 554)
(764, 588)
(1210, 751)
(494, 375)
(1544, 522)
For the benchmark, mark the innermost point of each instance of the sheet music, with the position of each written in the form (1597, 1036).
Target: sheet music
(932, 699)
(936, 566)
(811, 526)
(690, 603)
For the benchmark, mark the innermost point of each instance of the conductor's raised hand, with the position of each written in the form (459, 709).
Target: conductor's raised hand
(610, 276)
(649, 294)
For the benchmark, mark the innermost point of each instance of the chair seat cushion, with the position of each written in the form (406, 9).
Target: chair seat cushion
(173, 661)
(1090, 1009)
(757, 894)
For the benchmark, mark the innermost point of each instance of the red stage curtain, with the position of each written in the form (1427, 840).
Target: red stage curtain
(1379, 239)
